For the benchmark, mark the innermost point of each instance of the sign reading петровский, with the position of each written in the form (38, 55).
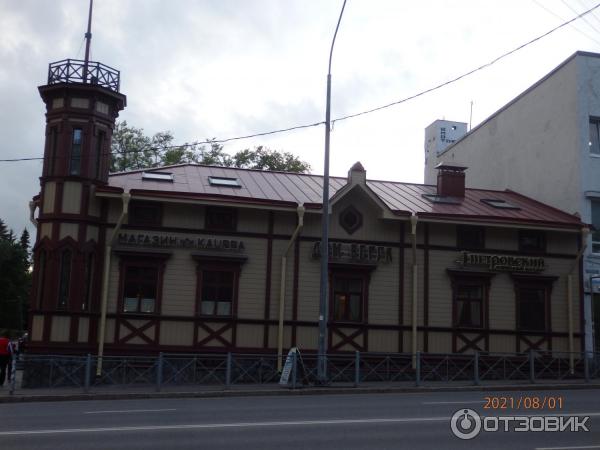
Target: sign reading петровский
(504, 263)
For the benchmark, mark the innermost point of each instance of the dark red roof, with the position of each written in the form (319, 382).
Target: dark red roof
(191, 180)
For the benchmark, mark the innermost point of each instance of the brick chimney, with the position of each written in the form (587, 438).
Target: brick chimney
(450, 180)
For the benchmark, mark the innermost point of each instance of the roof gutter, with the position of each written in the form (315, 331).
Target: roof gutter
(505, 223)
(125, 197)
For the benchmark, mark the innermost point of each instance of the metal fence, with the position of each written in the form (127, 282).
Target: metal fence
(229, 369)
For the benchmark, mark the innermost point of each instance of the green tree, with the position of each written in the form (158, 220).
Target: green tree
(15, 281)
(132, 149)
(25, 240)
(3, 230)
(263, 158)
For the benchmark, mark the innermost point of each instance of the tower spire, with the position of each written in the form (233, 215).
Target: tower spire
(88, 41)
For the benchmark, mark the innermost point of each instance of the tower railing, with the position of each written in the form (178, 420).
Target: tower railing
(77, 71)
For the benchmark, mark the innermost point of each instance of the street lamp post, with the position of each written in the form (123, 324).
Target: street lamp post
(323, 303)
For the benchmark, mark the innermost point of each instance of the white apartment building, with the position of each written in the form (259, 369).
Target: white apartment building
(545, 144)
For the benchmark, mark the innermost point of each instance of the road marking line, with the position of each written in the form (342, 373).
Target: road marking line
(227, 425)
(568, 448)
(453, 402)
(262, 424)
(129, 411)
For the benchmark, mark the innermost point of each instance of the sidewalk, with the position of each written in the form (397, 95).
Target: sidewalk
(247, 390)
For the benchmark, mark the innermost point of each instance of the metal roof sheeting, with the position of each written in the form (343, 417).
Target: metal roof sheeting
(277, 187)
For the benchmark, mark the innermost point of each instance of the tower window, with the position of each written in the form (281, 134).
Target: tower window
(41, 281)
(99, 148)
(53, 148)
(89, 276)
(75, 162)
(64, 280)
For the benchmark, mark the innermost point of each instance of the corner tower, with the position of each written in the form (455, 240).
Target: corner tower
(82, 101)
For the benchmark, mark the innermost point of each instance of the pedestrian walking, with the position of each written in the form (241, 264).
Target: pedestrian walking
(5, 355)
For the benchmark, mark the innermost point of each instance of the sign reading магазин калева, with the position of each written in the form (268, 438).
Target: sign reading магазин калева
(503, 263)
(166, 241)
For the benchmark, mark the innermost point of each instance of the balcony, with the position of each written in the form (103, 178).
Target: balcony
(76, 71)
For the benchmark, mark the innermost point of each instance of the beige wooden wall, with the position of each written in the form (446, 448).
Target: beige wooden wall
(180, 277)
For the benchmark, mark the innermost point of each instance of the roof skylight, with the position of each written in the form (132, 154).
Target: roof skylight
(500, 204)
(442, 199)
(157, 176)
(224, 181)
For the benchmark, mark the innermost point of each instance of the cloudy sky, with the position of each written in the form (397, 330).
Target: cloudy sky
(225, 68)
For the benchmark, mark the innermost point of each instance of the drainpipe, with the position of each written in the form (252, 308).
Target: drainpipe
(413, 226)
(105, 276)
(584, 235)
(32, 219)
(300, 211)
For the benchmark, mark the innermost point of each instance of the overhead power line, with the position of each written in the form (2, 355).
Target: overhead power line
(351, 116)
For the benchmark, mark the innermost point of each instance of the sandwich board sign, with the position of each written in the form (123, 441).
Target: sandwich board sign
(288, 366)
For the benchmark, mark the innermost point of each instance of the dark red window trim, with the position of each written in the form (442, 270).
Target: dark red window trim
(471, 278)
(362, 273)
(153, 209)
(206, 263)
(464, 237)
(141, 259)
(212, 223)
(544, 283)
(536, 234)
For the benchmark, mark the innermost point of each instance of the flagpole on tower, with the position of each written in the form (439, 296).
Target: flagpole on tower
(88, 41)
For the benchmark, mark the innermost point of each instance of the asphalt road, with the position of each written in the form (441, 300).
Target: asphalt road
(373, 421)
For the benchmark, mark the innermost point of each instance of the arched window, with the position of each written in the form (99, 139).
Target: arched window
(97, 159)
(89, 276)
(64, 279)
(75, 162)
(41, 280)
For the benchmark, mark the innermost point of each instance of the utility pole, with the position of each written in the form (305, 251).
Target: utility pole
(323, 301)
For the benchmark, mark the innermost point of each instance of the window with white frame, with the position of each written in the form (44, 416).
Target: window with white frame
(594, 142)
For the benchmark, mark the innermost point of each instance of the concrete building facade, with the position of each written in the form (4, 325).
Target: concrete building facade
(545, 144)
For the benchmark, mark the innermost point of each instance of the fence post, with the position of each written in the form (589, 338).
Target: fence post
(13, 373)
(418, 369)
(586, 367)
(531, 366)
(294, 369)
(228, 370)
(356, 368)
(88, 372)
(159, 372)
(476, 367)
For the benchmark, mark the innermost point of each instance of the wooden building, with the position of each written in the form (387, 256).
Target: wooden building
(192, 258)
